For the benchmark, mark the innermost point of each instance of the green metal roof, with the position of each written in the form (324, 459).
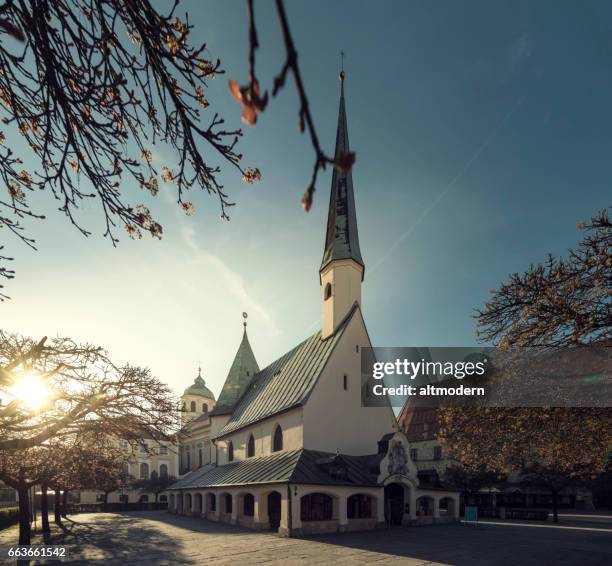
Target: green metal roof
(342, 239)
(295, 466)
(242, 372)
(199, 388)
(287, 382)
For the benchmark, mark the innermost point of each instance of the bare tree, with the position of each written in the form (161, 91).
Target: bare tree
(553, 445)
(563, 302)
(84, 391)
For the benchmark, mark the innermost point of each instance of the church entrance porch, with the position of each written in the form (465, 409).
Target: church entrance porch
(394, 504)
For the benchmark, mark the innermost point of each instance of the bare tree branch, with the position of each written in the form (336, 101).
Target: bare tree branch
(92, 86)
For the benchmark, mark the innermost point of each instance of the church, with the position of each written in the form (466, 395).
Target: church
(289, 447)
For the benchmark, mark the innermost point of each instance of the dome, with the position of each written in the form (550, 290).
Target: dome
(199, 388)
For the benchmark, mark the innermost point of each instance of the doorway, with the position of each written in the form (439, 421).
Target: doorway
(274, 510)
(394, 503)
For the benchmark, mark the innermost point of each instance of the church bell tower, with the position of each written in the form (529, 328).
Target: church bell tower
(342, 268)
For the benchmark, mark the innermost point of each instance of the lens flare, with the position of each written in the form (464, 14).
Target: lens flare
(32, 391)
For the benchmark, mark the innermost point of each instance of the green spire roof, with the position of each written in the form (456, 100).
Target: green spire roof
(244, 368)
(199, 388)
(342, 239)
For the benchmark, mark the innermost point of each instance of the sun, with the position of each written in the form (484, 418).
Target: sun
(31, 390)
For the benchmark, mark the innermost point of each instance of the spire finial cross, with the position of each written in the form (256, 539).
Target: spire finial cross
(342, 65)
(245, 316)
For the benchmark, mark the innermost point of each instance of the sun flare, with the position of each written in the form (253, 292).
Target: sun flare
(32, 391)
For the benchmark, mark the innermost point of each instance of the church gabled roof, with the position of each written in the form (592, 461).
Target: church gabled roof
(287, 382)
(342, 239)
(243, 370)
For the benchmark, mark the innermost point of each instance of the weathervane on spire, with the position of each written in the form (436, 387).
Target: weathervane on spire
(342, 65)
(245, 316)
(199, 369)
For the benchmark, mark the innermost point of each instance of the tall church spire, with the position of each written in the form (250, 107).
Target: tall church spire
(342, 268)
(342, 238)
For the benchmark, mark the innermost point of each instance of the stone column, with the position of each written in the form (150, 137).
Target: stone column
(342, 515)
(234, 517)
(456, 506)
(380, 509)
(296, 523)
(261, 519)
(216, 514)
(436, 507)
(203, 510)
(413, 505)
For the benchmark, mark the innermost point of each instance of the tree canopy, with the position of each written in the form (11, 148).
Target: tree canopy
(563, 302)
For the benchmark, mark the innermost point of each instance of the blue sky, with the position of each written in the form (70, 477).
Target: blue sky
(482, 132)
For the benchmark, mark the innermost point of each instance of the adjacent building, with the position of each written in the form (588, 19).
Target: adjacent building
(505, 499)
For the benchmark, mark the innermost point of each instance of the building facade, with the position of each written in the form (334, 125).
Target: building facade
(143, 459)
(291, 447)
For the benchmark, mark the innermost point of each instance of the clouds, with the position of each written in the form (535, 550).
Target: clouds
(230, 280)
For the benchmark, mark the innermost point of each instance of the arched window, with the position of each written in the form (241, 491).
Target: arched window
(277, 440)
(317, 507)
(228, 503)
(249, 505)
(184, 407)
(212, 502)
(327, 292)
(144, 471)
(359, 506)
(251, 446)
(163, 471)
(193, 406)
(163, 498)
(205, 408)
(230, 451)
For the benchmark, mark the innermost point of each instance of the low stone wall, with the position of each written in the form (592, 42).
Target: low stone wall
(246, 521)
(319, 527)
(360, 525)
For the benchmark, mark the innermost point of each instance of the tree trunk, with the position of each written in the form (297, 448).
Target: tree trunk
(156, 497)
(57, 501)
(24, 514)
(105, 501)
(44, 510)
(555, 506)
(65, 503)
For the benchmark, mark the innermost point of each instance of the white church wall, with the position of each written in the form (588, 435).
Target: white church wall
(290, 423)
(344, 278)
(333, 417)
